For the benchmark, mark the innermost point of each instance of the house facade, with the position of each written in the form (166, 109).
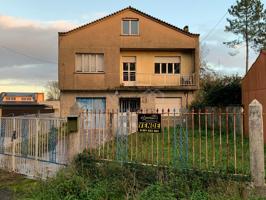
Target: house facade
(128, 60)
(7, 97)
(254, 87)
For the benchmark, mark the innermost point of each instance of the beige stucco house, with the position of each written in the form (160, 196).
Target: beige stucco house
(128, 60)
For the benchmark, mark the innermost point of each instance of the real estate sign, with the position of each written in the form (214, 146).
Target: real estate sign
(149, 123)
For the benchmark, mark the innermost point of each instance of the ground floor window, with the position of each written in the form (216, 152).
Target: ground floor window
(92, 103)
(129, 104)
(93, 120)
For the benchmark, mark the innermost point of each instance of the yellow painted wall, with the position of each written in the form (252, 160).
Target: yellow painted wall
(105, 37)
(145, 75)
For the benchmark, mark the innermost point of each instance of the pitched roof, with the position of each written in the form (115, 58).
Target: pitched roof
(20, 94)
(262, 53)
(138, 12)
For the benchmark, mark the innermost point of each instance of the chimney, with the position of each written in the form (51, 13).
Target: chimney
(186, 28)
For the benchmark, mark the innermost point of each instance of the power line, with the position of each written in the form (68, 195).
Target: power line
(27, 55)
(210, 32)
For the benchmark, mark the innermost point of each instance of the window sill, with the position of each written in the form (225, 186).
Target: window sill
(89, 72)
(167, 74)
(130, 35)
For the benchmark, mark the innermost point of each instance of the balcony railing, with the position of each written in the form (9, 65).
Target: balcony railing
(161, 80)
(187, 80)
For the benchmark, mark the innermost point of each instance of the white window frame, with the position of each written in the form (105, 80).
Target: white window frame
(169, 62)
(129, 24)
(129, 60)
(98, 69)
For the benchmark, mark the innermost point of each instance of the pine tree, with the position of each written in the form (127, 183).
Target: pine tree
(260, 40)
(246, 22)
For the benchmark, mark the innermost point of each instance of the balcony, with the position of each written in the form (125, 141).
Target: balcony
(161, 80)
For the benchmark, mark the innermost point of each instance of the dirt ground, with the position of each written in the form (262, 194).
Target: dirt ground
(14, 186)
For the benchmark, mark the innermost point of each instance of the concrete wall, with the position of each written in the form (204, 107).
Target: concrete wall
(147, 98)
(55, 105)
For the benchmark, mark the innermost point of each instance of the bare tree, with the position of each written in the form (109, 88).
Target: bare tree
(52, 90)
(205, 68)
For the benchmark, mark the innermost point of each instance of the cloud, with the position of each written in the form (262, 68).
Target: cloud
(223, 59)
(28, 51)
(10, 22)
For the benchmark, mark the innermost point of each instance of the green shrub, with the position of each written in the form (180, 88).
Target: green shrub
(85, 165)
(157, 192)
(66, 185)
(199, 195)
(88, 178)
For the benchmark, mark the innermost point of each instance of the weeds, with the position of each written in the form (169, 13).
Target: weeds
(88, 178)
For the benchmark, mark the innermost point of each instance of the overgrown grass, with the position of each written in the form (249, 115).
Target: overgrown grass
(14, 186)
(181, 148)
(87, 178)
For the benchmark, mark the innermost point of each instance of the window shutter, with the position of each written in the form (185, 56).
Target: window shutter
(78, 62)
(129, 59)
(93, 63)
(166, 59)
(100, 63)
(85, 63)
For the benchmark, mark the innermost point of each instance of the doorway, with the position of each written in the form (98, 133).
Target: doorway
(129, 104)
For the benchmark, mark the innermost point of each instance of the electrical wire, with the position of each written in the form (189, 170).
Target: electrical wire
(27, 55)
(214, 27)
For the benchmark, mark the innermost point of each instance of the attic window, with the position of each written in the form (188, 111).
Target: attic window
(130, 26)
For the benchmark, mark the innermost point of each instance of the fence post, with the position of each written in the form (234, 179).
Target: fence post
(256, 143)
(78, 148)
(13, 144)
(36, 146)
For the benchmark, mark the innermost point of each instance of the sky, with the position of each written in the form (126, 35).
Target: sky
(29, 31)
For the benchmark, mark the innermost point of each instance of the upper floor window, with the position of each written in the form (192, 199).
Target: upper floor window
(130, 26)
(90, 63)
(129, 68)
(167, 65)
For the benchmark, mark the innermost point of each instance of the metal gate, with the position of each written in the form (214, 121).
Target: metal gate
(33, 146)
